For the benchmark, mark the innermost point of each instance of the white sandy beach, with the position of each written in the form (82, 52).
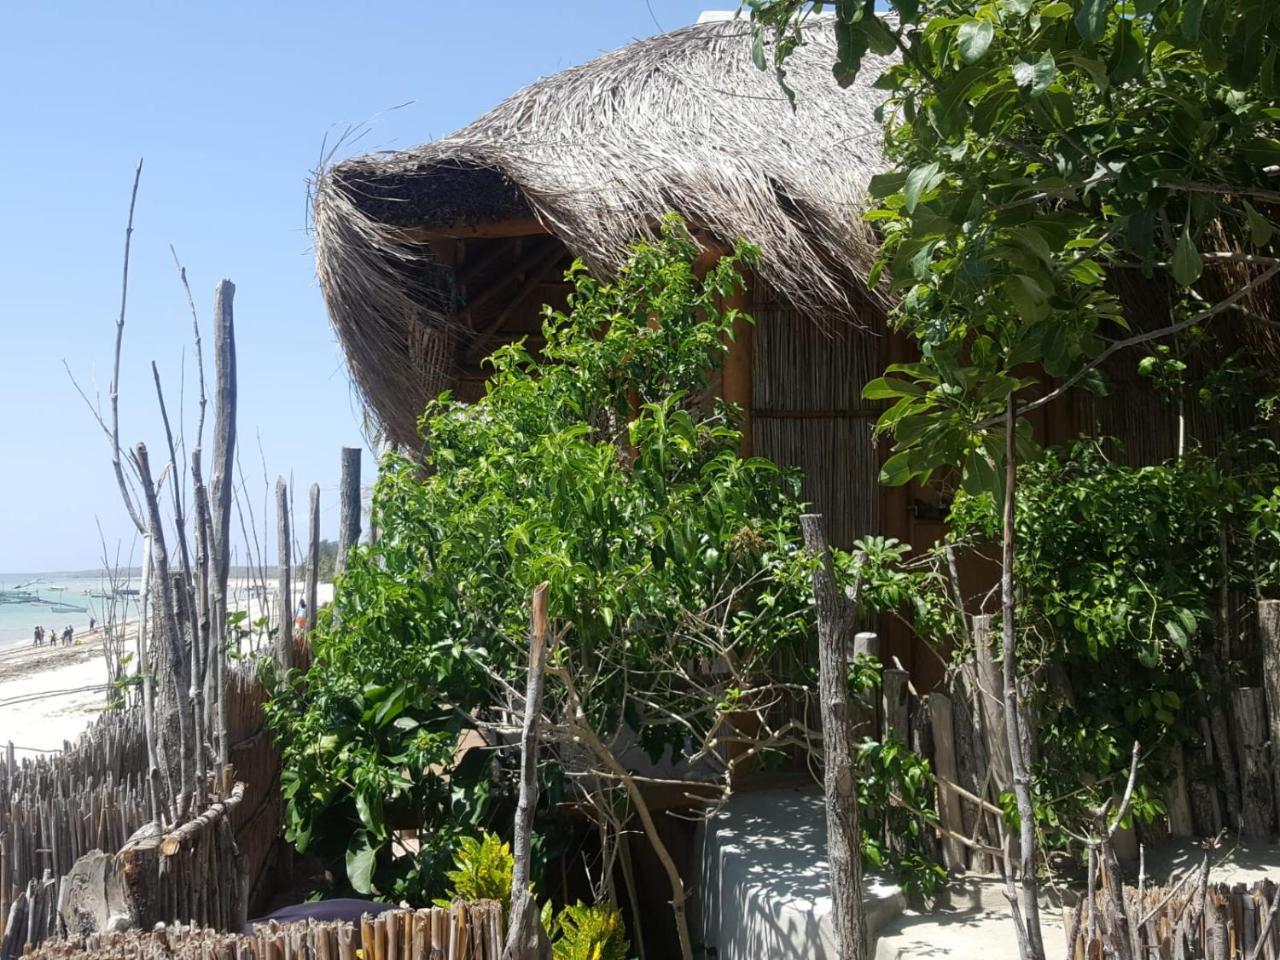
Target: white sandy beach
(48, 695)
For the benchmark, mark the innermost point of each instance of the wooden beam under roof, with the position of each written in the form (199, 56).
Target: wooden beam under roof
(494, 229)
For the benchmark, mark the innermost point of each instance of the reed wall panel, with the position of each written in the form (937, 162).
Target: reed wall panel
(808, 412)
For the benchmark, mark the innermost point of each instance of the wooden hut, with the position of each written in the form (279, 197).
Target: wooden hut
(430, 257)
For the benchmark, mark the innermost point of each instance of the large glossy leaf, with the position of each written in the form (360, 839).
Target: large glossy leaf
(973, 39)
(1186, 263)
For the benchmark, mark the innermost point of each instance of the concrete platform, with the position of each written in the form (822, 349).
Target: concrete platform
(764, 891)
(765, 882)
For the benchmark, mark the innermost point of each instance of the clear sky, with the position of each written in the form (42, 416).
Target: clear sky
(229, 104)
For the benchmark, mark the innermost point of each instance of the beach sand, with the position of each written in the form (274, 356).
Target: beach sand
(48, 695)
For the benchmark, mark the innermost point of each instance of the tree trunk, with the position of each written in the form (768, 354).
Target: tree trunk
(844, 836)
(169, 628)
(526, 940)
(349, 502)
(1031, 943)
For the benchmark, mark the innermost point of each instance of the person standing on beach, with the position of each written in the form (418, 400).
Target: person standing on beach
(68, 636)
(39, 635)
(91, 623)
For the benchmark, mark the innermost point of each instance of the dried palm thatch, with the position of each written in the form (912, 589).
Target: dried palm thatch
(597, 155)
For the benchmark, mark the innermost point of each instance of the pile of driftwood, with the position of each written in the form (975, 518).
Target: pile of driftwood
(462, 932)
(1190, 919)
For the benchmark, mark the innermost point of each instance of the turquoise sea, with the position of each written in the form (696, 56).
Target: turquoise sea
(53, 600)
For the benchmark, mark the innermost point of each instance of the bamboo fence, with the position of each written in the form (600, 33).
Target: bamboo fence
(461, 932)
(93, 795)
(1188, 921)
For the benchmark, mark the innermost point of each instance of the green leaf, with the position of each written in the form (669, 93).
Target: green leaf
(891, 388)
(880, 38)
(362, 857)
(979, 474)
(757, 50)
(919, 182)
(1260, 229)
(1192, 11)
(974, 39)
(897, 470)
(1261, 151)
(1027, 297)
(1091, 19)
(885, 184)
(1186, 260)
(1036, 77)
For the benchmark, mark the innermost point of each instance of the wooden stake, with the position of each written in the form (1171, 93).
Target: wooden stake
(284, 580)
(349, 500)
(313, 558)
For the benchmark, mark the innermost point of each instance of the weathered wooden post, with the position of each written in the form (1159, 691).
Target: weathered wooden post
(173, 648)
(221, 486)
(349, 504)
(313, 558)
(526, 940)
(1269, 635)
(992, 703)
(941, 714)
(836, 613)
(1248, 705)
(284, 582)
(895, 688)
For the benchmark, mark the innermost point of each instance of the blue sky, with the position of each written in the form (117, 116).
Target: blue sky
(229, 105)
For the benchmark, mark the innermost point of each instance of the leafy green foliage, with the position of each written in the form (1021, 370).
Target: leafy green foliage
(481, 871)
(896, 794)
(598, 468)
(1043, 150)
(1121, 571)
(590, 932)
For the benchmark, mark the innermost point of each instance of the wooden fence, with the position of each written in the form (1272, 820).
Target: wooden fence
(462, 932)
(1230, 780)
(1188, 921)
(93, 795)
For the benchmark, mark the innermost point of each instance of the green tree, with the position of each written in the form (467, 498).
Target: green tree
(676, 586)
(1042, 150)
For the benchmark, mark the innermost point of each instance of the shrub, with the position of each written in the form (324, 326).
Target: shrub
(599, 469)
(590, 933)
(482, 871)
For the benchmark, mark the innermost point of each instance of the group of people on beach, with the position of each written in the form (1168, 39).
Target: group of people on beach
(51, 636)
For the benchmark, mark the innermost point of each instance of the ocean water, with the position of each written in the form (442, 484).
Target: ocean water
(81, 590)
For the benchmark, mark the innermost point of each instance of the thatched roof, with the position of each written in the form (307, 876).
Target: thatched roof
(596, 155)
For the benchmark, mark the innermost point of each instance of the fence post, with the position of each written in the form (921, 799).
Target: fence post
(284, 638)
(1269, 633)
(944, 760)
(349, 497)
(313, 558)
